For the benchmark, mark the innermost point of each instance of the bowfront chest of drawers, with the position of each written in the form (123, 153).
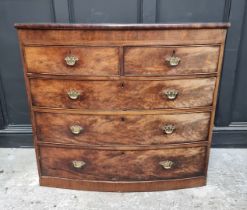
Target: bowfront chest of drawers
(122, 107)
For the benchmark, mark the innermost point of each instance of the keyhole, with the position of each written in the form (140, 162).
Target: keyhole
(122, 119)
(122, 85)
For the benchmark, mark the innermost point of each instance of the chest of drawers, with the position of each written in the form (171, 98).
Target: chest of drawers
(122, 107)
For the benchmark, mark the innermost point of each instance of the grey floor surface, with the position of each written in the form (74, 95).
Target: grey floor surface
(226, 188)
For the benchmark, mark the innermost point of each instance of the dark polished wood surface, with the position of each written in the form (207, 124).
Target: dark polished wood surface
(148, 61)
(122, 103)
(117, 165)
(121, 129)
(122, 94)
(100, 61)
(122, 26)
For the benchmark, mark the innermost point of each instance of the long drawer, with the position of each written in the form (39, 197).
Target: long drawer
(69, 60)
(149, 61)
(115, 129)
(122, 94)
(121, 165)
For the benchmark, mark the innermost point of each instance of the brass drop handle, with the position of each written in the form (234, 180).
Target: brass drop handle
(71, 60)
(73, 94)
(167, 164)
(171, 94)
(172, 60)
(168, 129)
(78, 163)
(76, 129)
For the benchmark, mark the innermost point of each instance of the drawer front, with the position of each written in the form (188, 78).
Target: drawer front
(122, 95)
(120, 165)
(170, 60)
(122, 129)
(73, 60)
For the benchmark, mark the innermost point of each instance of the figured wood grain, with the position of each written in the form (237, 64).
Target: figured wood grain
(121, 112)
(107, 97)
(122, 129)
(117, 165)
(92, 60)
(152, 60)
(124, 147)
(122, 37)
(122, 95)
(125, 77)
(110, 186)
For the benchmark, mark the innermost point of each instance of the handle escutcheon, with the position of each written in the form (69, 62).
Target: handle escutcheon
(73, 94)
(78, 163)
(171, 94)
(71, 60)
(168, 129)
(172, 60)
(167, 164)
(76, 129)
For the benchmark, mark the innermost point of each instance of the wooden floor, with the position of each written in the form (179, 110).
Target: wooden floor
(226, 189)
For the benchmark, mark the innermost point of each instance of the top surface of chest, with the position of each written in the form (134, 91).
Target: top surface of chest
(120, 34)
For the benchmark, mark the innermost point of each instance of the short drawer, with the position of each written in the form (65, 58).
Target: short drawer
(151, 61)
(122, 165)
(122, 95)
(115, 129)
(70, 60)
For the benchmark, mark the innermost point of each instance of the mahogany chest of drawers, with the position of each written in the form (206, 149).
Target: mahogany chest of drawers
(122, 107)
